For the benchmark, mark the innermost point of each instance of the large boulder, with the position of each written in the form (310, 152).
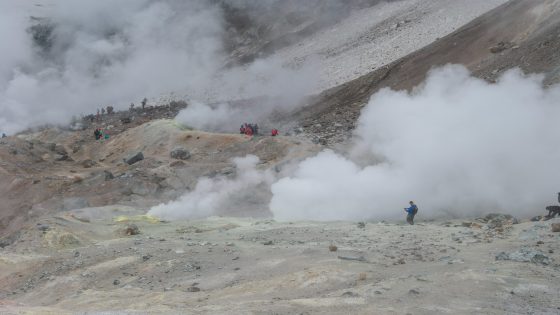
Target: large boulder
(180, 153)
(555, 227)
(137, 157)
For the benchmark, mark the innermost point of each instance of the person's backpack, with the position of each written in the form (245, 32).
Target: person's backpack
(415, 209)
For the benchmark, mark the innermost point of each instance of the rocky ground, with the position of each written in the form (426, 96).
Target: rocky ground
(75, 237)
(519, 34)
(114, 259)
(146, 160)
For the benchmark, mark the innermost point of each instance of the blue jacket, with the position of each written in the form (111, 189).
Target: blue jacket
(411, 209)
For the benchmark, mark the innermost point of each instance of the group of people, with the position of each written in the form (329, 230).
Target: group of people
(98, 133)
(253, 129)
(249, 129)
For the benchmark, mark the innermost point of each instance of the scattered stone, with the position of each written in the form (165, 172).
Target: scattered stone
(191, 267)
(413, 291)
(126, 120)
(177, 164)
(501, 46)
(180, 153)
(146, 257)
(43, 227)
(116, 282)
(496, 220)
(131, 229)
(74, 203)
(62, 157)
(88, 163)
(193, 289)
(360, 258)
(108, 175)
(361, 225)
(536, 218)
(555, 227)
(137, 157)
(350, 294)
(525, 255)
(333, 248)
(268, 243)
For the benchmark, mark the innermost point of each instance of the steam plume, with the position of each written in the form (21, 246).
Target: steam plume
(456, 145)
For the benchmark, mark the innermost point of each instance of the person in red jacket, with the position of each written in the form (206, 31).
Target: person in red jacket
(274, 132)
(249, 130)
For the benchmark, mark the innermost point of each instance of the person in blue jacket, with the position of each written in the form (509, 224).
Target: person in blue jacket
(411, 212)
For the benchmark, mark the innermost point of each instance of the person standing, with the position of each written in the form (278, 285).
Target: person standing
(411, 212)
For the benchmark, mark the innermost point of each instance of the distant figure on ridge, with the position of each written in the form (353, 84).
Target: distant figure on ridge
(274, 132)
(411, 212)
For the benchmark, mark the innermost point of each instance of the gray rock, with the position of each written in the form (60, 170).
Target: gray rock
(43, 227)
(108, 175)
(143, 188)
(495, 220)
(180, 153)
(61, 157)
(88, 163)
(131, 229)
(360, 258)
(536, 218)
(60, 149)
(193, 289)
(74, 203)
(525, 255)
(137, 157)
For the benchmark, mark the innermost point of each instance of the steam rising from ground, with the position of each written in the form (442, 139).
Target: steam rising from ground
(213, 196)
(280, 88)
(63, 58)
(457, 145)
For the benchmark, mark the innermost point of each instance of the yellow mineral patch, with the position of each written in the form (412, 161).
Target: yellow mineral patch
(137, 218)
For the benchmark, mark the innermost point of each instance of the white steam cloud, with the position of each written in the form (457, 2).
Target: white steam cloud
(456, 145)
(90, 54)
(220, 195)
(64, 58)
(265, 86)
